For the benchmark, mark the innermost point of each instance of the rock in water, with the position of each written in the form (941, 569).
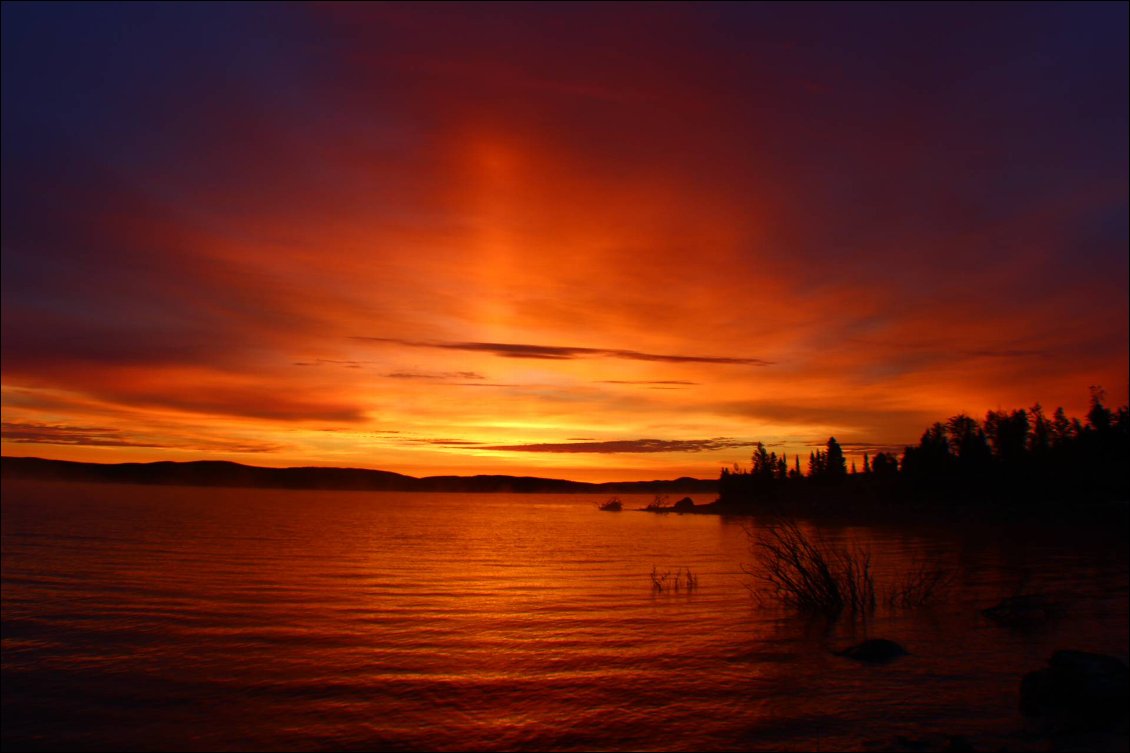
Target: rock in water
(874, 651)
(1024, 610)
(1078, 688)
(686, 504)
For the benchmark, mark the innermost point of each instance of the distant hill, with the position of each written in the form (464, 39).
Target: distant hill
(223, 473)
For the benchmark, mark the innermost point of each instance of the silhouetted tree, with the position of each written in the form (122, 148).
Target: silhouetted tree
(816, 464)
(1062, 429)
(761, 467)
(836, 465)
(1099, 416)
(884, 466)
(1122, 420)
(931, 459)
(1040, 439)
(1008, 434)
(969, 444)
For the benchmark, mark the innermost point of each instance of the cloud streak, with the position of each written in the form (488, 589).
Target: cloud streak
(563, 353)
(349, 364)
(649, 382)
(435, 376)
(628, 446)
(95, 436)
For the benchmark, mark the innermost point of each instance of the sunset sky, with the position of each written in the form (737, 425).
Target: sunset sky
(582, 241)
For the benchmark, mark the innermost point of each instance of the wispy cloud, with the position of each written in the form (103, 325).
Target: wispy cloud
(448, 442)
(629, 446)
(36, 433)
(935, 350)
(825, 415)
(435, 375)
(244, 401)
(562, 353)
(442, 442)
(857, 448)
(349, 364)
(651, 382)
(1005, 353)
(97, 436)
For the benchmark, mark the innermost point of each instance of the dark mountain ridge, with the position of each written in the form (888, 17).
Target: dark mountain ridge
(229, 474)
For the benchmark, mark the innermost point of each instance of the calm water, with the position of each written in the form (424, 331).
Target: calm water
(177, 618)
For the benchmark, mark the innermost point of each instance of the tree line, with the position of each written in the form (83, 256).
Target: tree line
(1010, 454)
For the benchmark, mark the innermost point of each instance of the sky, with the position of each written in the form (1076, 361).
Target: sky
(590, 241)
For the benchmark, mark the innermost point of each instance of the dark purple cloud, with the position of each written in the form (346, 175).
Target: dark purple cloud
(562, 353)
(435, 375)
(650, 382)
(95, 436)
(37, 433)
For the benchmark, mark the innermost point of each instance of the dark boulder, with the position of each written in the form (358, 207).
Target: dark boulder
(1023, 611)
(874, 651)
(1078, 688)
(686, 504)
(942, 743)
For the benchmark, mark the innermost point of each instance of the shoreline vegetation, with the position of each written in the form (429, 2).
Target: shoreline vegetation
(1014, 461)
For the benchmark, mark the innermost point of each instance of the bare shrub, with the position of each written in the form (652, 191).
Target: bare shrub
(612, 505)
(812, 575)
(817, 576)
(668, 581)
(921, 585)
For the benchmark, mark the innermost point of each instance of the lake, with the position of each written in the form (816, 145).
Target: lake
(179, 618)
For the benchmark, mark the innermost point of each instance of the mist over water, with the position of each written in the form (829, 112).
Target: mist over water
(186, 618)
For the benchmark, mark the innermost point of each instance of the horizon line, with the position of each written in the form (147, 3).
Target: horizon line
(355, 468)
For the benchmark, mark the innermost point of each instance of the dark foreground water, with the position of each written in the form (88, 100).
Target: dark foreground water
(179, 618)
